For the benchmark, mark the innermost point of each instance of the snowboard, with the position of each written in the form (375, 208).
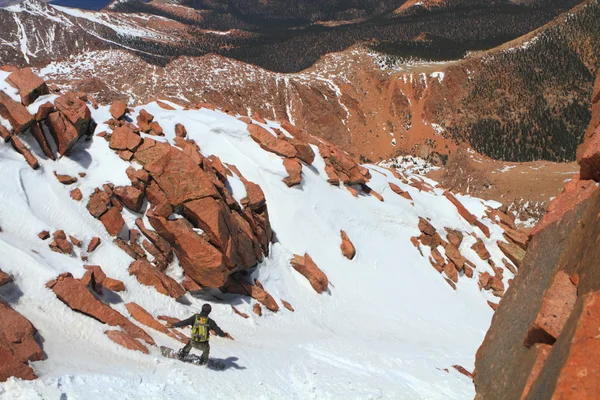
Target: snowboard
(192, 359)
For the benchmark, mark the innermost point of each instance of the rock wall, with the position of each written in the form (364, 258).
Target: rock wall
(544, 342)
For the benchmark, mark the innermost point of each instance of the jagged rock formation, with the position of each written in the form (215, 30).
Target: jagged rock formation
(543, 341)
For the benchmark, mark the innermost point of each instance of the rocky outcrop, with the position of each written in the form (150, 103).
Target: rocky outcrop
(29, 85)
(75, 294)
(270, 142)
(17, 345)
(307, 267)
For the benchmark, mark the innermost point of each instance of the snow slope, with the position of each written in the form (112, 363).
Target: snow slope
(387, 329)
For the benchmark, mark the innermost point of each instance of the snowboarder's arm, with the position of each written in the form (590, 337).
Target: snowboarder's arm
(213, 326)
(185, 322)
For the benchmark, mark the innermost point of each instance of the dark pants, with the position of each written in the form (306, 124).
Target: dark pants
(202, 346)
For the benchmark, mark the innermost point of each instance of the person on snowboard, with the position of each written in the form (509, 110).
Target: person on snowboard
(201, 327)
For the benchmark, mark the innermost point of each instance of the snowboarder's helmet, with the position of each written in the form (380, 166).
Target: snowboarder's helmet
(206, 309)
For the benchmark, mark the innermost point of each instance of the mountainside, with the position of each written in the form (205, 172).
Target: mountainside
(358, 271)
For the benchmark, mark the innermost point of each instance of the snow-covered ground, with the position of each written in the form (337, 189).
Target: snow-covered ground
(387, 328)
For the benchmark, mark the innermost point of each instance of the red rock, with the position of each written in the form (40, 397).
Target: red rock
(164, 105)
(5, 278)
(75, 241)
(4, 134)
(396, 189)
(348, 249)
(471, 219)
(189, 285)
(426, 227)
(180, 131)
(513, 252)
(494, 306)
(332, 175)
(40, 138)
(145, 318)
(130, 196)
(517, 237)
(17, 345)
(118, 109)
(76, 194)
(94, 278)
(145, 116)
(307, 267)
(198, 258)
(123, 138)
(589, 157)
(463, 371)
(15, 113)
(18, 145)
(213, 217)
(61, 242)
(150, 276)
(437, 260)
(287, 305)
(484, 228)
(126, 340)
(192, 150)
(468, 271)
(579, 374)
(30, 85)
(113, 284)
(540, 352)
(575, 192)
(239, 286)
(65, 179)
(557, 305)
(64, 133)
(451, 271)
(113, 221)
(94, 243)
(255, 197)
(75, 111)
(294, 170)
(155, 129)
(161, 243)
(481, 250)
(371, 192)
(270, 143)
(44, 110)
(305, 152)
(455, 256)
(454, 237)
(257, 309)
(44, 235)
(74, 294)
(180, 179)
(238, 312)
(168, 319)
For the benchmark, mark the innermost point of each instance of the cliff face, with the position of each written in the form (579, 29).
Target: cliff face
(544, 342)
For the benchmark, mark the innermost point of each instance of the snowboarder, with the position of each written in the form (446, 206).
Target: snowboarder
(201, 327)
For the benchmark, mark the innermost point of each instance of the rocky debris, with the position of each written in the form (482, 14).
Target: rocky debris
(63, 132)
(18, 145)
(257, 309)
(451, 272)
(255, 197)
(557, 305)
(130, 196)
(15, 113)
(238, 312)
(180, 131)
(470, 218)
(94, 243)
(304, 152)
(113, 221)
(340, 167)
(118, 109)
(238, 285)
(126, 340)
(44, 235)
(147, 275)
(514, 253)
(60, 243)
(145, 318)
(17, 345)
(30, 85)
(307, 267)
(113, 284)
(426, 228)
(5, 278)
(65, 179)
(94, 278)
(575, 192)
(40, 138)
(294, 170)
(396, 189)
(454, 237)
(270, 143)
(287, 305)
(481, 250)
(371, 192)
(44, 111)
(348, 249)
(125, 138)
(74, 294)
(75, 111)
(516, 237)
(76, 194)
(455, 256)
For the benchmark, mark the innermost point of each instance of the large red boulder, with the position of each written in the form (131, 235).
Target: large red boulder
(76, 295)
(200, 260)
(17, 345)
(180, 131)
(307, 267)
(213, 217)
(255, 197)
(75, 111)
(131, 197)
(270, 143)
(64, 133)
(98, 203)
(305, 152)
(118, 109)
(145, 318)
(113, 221)
(180, 178)
(30, 85)
(15, 113)
(124, 138)
(147, 275)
